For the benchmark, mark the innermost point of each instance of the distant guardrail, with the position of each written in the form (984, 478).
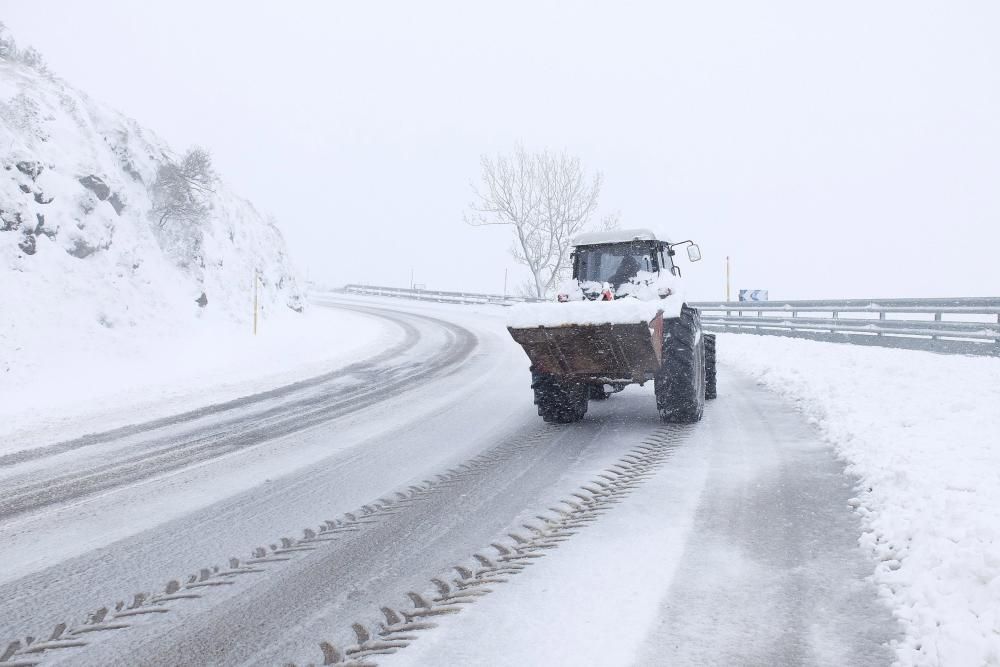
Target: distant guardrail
(957, 326)
(968, 325)
(438, 296)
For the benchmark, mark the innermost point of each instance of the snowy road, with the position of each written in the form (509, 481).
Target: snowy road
(172, 443)
(736, 541)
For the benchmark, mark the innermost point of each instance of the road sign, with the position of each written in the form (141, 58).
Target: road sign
(753, 295)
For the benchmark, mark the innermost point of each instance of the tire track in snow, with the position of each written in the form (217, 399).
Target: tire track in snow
(146, 607)
(514, 552)
(410, 338)
(290, 414)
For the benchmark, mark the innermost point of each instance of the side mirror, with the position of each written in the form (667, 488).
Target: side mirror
(694, 252)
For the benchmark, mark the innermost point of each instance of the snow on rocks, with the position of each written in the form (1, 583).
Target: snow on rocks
(84, 263)
(920, 431)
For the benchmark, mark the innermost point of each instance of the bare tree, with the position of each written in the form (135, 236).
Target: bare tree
(546, 197)
(611, 222)
(182, 190)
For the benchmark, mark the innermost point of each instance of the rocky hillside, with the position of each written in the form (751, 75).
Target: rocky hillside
(103, 227)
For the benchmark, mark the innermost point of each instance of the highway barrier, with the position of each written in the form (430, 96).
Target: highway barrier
(967, 325)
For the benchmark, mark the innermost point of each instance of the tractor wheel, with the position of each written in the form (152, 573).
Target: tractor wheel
(710, 376)
(559, 402)
(598, 392)
(680, 383)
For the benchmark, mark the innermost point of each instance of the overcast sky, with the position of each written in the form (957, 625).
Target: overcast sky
(834, 149)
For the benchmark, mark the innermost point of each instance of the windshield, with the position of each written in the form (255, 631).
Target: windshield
(613, 264)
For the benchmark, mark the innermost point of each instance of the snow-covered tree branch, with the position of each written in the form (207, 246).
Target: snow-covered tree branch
(182, 189)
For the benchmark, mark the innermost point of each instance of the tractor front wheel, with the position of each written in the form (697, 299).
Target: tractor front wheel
(558, 401)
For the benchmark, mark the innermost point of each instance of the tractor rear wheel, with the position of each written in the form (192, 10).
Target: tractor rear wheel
(680, 383)
(559, 402)
(710, 376)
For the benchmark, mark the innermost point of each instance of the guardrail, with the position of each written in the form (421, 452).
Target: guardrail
(955, 326)
(437, 296)
(958, 326)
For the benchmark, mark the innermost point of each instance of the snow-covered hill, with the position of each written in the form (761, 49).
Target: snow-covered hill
(87, 264)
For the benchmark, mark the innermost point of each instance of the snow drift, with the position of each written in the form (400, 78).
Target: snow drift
(87, 262)
(920, 432)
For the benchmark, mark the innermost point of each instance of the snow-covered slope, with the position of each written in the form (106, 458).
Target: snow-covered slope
(85, 265)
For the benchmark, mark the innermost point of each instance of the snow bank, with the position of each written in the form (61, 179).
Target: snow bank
(921, 431)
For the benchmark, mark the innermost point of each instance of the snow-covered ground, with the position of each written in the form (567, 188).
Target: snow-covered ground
(135, 376)
(593, 600)
(748, 529)
(363, 453)
(917, 432)
(922, 432)
(740, 550)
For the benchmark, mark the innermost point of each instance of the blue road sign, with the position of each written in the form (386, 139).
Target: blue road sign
(753, 295)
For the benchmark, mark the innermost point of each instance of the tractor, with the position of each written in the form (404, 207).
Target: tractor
(621, 319)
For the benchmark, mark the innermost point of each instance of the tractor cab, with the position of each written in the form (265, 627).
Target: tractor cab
(623, 256)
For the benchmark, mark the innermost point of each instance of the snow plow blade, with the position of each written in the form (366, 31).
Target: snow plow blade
(600, 352)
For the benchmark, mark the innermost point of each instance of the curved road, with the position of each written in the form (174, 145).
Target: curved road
(180, 441)
(341, 494)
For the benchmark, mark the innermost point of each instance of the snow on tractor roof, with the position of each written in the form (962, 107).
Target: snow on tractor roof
(615, 236)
